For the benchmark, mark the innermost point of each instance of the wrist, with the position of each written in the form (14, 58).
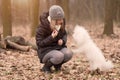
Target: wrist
(53, 36)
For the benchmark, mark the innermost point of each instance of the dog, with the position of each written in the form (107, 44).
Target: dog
(86, 45)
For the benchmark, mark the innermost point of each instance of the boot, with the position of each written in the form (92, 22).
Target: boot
(47, 67)
(58, 67)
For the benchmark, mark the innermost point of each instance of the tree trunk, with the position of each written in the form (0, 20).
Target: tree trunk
(6, 18)
(2, 42)
(118, 12)
(65, 4)
(19, 47)
(0, 36)
(17, 42)
(35, 16)
(58, 2)
(109, 15)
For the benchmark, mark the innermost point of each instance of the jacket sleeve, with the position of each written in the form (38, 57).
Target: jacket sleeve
(64, 38)
(41, 41)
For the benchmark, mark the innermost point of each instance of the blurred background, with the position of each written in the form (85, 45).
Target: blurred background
(24, 13)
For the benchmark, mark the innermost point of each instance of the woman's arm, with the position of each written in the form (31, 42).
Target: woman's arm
(41, 41)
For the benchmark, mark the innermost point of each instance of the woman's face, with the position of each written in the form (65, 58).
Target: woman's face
(55, 23)
(59, 22)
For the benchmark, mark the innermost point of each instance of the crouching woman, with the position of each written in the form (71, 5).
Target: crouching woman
(51, 38)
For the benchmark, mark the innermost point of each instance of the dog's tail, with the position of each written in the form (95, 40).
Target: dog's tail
(107, 65)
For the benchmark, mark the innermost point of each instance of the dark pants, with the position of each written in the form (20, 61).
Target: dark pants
(58, 56)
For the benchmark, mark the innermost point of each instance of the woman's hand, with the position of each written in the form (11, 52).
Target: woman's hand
(60, 42)
(54, 33)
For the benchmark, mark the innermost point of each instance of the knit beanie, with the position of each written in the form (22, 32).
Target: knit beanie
(56, 12)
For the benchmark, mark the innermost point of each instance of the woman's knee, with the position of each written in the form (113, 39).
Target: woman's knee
(57, 58)
(67, 54)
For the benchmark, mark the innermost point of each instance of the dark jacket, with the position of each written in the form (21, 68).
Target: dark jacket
(44, 40)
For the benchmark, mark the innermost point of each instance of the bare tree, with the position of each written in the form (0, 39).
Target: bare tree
(58, 2)
(35, 15)
(65, 4)
(109, 15)
(117, 11)
(6, 17)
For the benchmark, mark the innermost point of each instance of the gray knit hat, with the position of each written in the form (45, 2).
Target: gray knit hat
(56, 12)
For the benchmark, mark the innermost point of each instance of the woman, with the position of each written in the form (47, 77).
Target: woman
(51, 39)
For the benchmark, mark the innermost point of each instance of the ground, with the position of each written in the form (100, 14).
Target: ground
(19, 65)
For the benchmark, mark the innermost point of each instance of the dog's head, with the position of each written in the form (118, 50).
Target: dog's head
(80, 35)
